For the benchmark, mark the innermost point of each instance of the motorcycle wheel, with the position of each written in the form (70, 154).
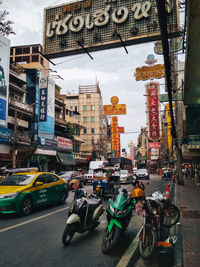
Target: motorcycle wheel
(171, 215)
(68, 235)
(147, 241)
(110, 239)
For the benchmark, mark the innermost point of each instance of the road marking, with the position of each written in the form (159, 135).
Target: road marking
(32, 220)
(125, 259)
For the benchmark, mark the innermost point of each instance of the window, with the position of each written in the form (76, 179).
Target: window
(35, 49)
(76, 108)
(84, 119)
(92, 130)
(84, 107)
(52, 178)
(85, 131)
(92, 107)
(18, 51)
(88, 95)
(92, 119)
(35, 58)
(41, 178)
(26, 50)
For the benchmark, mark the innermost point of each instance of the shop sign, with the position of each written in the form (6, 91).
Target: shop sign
(97, 25)
(154, 145)
(47, 142)
(175, 97)
(120, 129)
(189, 154)
(175, 45)
(152, 91)
(5, 134)
(119, 109)
(193, 141)
(64, 143)
(43, 105)
(150, 72)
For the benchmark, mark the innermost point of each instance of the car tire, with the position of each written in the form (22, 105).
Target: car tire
(27, 206)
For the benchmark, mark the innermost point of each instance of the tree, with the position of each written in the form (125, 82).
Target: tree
(5, 25)
(69, 131)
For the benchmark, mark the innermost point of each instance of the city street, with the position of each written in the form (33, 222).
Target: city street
(35, 240)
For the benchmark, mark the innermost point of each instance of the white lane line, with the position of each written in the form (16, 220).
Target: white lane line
(32, 220)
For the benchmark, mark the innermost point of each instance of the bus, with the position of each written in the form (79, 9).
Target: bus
(122, 163)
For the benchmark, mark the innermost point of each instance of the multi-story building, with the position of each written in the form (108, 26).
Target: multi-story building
(29, 56)
(88, 103)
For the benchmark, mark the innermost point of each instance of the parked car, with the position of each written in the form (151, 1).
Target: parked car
(21, 192)
(88, 176)
(69, 175)
(142, 174)
(125, 177)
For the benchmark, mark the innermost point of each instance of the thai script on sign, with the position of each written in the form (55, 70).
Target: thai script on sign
(100, 17)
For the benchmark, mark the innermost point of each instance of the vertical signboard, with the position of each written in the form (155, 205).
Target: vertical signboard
(46, 107)
(152, 91)
(4, 77)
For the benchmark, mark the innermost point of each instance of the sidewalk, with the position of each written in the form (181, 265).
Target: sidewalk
(187, 198)
(187, 248)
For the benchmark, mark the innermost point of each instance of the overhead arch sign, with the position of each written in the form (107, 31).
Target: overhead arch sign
(95, 25)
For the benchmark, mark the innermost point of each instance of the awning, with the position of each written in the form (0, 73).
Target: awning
(40, 151)
(65, 159)
(77, 138)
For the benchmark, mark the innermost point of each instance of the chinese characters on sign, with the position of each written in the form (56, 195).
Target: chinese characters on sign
(152, 91)
(43, 105)
(150, 72)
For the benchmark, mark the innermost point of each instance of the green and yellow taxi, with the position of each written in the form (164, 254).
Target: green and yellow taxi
(21, 192)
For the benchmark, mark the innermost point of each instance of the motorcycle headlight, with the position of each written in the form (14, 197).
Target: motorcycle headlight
(111, 208)
(11, 195)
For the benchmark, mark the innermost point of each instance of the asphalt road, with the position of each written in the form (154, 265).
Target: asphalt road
(35, 240)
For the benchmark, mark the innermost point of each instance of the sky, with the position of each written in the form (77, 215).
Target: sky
(113, 68)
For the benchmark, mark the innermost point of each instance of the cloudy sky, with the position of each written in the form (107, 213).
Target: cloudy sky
(113, 68)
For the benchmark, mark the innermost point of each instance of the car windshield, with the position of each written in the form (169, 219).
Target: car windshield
(18, 179)
(90, 172)
(68, 174)
(141, 171)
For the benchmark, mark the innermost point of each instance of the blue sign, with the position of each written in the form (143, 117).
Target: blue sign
(43, 105)
(5, 134)
(47, 142)
(2, 109)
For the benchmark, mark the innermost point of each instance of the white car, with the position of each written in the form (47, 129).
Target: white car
(88, 176)
(125, 177)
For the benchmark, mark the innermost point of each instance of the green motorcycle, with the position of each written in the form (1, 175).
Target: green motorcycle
(118, 213)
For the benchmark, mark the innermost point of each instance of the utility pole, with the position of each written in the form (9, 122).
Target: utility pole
(14, 141)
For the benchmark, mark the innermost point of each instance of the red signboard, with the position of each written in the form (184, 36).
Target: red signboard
(154, 145)
(152, 90)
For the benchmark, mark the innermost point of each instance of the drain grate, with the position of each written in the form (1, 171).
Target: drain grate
(190, 214)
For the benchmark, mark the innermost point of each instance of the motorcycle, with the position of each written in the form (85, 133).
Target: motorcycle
(118, 213)
(158, 212)
(84, 213)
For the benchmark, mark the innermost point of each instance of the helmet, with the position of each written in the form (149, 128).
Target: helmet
(138, 192)
(74, 184)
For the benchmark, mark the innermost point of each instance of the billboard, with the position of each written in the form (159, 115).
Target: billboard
(4, 77)
(152, 91)
(96, 25)
(46, 107)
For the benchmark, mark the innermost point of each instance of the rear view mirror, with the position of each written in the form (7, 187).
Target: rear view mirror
(38, 183)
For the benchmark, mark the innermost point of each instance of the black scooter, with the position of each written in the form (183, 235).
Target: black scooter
(84, 213)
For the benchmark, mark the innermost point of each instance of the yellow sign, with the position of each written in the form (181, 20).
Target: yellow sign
(150, 72)
(119, 109)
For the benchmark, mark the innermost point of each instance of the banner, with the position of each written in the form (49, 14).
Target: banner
(4, 78)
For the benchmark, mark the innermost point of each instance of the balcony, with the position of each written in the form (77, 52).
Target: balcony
(60, 121)
(21, 106)
(22, 139)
